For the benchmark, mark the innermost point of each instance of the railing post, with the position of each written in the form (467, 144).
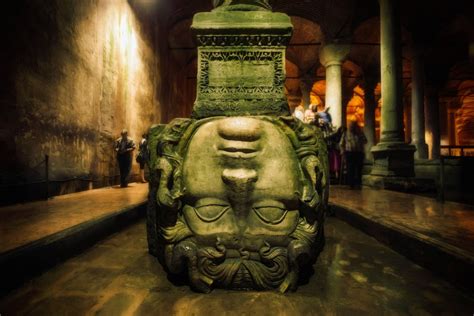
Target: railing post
(441, 179)
(46, 173)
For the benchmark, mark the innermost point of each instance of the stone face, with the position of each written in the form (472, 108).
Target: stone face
(239, 191)
(239, 201)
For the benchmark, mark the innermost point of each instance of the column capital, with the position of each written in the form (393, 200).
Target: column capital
(333, 53)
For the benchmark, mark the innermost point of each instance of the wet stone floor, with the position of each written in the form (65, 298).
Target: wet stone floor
(354, 275)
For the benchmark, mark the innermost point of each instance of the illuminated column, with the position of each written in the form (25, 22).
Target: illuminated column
(369, 115)
(418, 105)
(332, 56)
(393, 158)
(391, 73)
(432, 122)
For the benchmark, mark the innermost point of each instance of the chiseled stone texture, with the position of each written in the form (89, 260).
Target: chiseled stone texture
(354, 275)
(79, 72)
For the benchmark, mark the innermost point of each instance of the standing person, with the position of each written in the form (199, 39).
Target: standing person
(352, 146)
(124, 148)
(310, 114)
(299, 113)
(142, 156)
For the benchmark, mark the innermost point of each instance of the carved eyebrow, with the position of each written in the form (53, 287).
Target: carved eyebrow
(212, 204)
(268, 221)
(215, 217)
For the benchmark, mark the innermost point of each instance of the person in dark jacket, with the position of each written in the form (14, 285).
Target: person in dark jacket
(352, 146)
(142, 156)
(124, 147)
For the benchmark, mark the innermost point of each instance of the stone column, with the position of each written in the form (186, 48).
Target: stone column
(305, 91)
(391, 73)
(332, 56)
(432, 122)
(418, 105)
(369, 115)
(393, 158)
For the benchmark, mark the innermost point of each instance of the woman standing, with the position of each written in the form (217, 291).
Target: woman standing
(142, 156)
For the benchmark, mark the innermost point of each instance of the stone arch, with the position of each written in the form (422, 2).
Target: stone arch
(305, 43)
(356, 106)
(464, 117)
(457, 106)
(292, 85)
(318, 94)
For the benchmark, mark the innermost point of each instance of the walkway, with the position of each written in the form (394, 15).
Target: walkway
(25, 223)
(421, 228)
(355, 275)
(36, 236)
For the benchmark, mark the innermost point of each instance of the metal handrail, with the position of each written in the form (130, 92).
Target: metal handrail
(451, 148)
(47, 180)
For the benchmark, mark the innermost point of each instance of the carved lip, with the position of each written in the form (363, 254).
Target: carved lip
(239, 149)
(240, 153)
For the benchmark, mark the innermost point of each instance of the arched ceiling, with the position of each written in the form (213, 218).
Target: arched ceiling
(445, 30)
(292, 83)
(305, 43)
(334, 16)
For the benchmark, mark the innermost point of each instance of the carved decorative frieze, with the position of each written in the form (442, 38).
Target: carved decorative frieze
(270, 40)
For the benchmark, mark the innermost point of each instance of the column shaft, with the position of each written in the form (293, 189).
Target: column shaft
(393, 158)
(432, 123)
(331, 56)
(418, 107)
(334, 93)
(391, 70)
(369, 119)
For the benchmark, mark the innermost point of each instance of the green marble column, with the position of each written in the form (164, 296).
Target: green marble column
(393, 158)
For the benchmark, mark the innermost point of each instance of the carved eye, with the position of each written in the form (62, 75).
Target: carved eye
(270, 212)
(210, 210)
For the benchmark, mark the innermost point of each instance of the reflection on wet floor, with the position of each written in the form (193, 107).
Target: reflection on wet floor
(448, 223)
(355, 274)
(22, 224)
